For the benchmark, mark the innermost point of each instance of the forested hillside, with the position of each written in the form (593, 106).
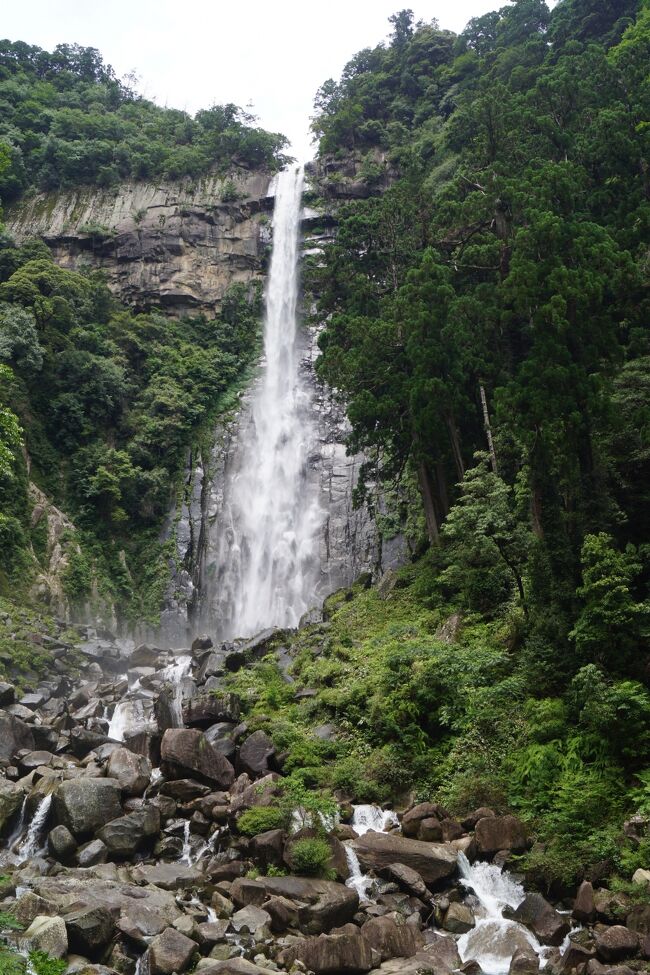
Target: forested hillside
(67, 120)
(100, 402)
(486, 324)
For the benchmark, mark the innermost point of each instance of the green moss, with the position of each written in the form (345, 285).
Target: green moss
(260, 819)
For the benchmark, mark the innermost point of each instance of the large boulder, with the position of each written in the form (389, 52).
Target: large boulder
(392, 937)
(85, 804)
(167, 876)
(186, 752)
(205, 709)
(323, 904)
(544, 921)
(123, 836)
(615, 943)
(254, 754)
(11, 799)
(424, 810)
(584, 907)
(133, 772)
(61, 844)
(90, 929)
(14, 735)
(170, 952)
(524, 962)
(433, 861)
(330, 954)
(459, 919)
(252, 920)
(494, 833)
(47, 934)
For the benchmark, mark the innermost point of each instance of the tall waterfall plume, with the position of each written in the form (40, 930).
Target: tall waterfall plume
(267, 560)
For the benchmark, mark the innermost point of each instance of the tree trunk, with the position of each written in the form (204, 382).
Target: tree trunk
(455, 445)
(426, 490)
(488, 429)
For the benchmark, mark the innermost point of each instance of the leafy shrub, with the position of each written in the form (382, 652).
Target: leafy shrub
(44, 964)
(310, 856)
(259, 819)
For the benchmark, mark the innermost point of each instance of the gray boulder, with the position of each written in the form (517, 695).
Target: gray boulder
(61, 844)
(85, 804)
(14, 735)
(170, 952)
(544, 921)
(90, 929)
(123, 836)
(11, 799)
(616, 943)
(188, 753)
(133, 772)
(254, 754)
(47, 934)
(331, 954)
(392, 937)
(494, 833)
(433, 861)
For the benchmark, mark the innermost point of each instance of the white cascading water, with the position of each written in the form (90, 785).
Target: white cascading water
(364, 819)
(31, 845)
(268, 563)
(494, 939)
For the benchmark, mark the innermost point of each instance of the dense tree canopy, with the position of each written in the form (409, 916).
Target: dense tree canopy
(66, 120)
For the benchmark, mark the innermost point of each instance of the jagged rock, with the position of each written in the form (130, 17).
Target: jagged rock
(132, 772)
(83, 741)
(433, 861)
(170, 952)
(254, 754)
(211, 932)
(430, 830)
(330, 954)
(324, 904)
(47, 934)
(167, 876)
(7, 693)
(543, 920)
(61, 844)
(29, 905)
(92, 853)
(14, 735)
(575, 957)
(584, 907)
(284, 913)
(406, 878)
(90, 929)
(424, 810)
(392, 937)
(184, 790)
(641, 877)
(524, 962)
(187, 752)
(459, 919)
(85, 804)
(260, 793)
(252, 920)
(615, 943)
(230, 966)
(613, 907)
(11, 799)
(638, 918)
(201, 643)
(203, 710)
(125, 835)
(494, 833)
(594, 967)
(267, 847)
(245, 891)
(337, 862)
(451, 830)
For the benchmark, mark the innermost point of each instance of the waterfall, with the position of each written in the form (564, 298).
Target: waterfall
(266, 565)
(186, 852)
(31, 845)
(175, 674)
(494, 939)
(364, 819)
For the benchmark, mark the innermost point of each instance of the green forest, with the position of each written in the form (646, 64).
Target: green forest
(486, 314)
(486, 326)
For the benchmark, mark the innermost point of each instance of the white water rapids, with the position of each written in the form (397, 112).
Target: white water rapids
(494, 939)
(364, 819)
(268, 560)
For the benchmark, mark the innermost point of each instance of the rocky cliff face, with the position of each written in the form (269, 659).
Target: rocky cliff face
(174, 245)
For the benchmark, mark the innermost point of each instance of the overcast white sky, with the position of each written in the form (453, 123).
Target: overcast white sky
(191, 54)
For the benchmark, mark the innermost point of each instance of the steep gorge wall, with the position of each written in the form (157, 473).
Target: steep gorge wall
(174, 245)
